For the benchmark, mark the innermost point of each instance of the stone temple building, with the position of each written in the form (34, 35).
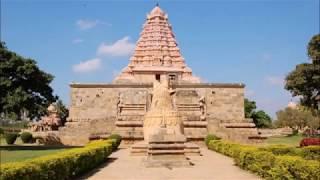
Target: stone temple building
(120, 107)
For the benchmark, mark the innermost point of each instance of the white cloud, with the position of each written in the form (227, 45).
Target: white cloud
(275, 80)
(87, 66)
(85, 24)
(121, 47)
(77, 41)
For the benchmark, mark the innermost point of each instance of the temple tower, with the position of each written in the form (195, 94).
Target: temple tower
(157, 55)
(127, 106)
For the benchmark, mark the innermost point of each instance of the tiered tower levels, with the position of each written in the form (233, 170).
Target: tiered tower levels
(157, 55)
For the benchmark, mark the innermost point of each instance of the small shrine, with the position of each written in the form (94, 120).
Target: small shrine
(50, 122)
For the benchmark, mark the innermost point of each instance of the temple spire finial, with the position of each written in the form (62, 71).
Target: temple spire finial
(157, 5)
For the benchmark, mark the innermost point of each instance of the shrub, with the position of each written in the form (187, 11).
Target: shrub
(118, 139)
(64, 165)
(1, 131)
(294, 132)
(309, 141)
(282, 150)
(11, 138)
(294, 167)
(311, 152)
(26, 137)
(308, 153)
(265, 162)
(210, 137)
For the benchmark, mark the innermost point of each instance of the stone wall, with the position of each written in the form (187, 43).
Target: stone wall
(120, 108)
(275, 132)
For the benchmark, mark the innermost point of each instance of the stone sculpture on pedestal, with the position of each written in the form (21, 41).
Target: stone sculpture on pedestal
(49, 122)
(164, 141)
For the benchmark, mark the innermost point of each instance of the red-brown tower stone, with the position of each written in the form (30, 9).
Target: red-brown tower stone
(157, 55)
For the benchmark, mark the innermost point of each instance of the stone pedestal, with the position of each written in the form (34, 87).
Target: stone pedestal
(165, 149)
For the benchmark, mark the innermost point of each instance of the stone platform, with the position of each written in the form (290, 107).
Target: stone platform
(140, 149)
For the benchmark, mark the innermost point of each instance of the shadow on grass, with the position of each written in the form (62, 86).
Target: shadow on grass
(97, 169)
(33, 147)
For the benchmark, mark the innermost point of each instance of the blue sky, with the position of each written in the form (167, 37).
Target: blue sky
(249, 41)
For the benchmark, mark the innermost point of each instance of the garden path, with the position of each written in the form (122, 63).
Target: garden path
(209, 166)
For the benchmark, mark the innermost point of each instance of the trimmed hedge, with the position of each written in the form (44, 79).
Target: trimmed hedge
(266, 164)
(64, 165)
(26, 137)
(10, 137)
(210, 137)
(117, 141)
(309, 153)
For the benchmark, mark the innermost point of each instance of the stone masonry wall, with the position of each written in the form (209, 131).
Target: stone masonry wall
(96, 108)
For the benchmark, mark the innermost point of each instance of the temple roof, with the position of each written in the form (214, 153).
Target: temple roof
(156, 51)
(156, 11)
(157, 45)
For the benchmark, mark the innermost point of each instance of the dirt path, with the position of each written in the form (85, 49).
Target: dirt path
(209, 166)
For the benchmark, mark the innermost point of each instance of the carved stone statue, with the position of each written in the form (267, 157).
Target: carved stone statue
(162, 113)
(202, 104)
(48, 123)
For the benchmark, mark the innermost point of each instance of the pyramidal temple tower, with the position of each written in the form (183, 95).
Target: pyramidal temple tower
(100, 109)
(157, 55)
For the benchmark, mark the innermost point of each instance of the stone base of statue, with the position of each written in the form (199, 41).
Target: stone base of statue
(140, 149)
(166, 150)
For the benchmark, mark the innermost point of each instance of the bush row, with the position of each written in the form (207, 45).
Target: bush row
(308, 153)
(64, 165)
(310, 142)
(266, 164)
(26, 137)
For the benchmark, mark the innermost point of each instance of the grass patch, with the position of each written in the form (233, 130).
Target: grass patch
(287, 140)
(20, 152)
(21, 155)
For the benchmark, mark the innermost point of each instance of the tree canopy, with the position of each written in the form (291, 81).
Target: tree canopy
(260, 118)
(304, 80)
(62, 111)
(24, 87)
(297, 118)
(314, 48)
(249, 107)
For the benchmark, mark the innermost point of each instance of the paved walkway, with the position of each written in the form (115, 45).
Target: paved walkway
(207, 167)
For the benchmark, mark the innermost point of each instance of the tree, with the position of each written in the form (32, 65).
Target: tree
(249, 107)
(62, 111)
(24, 87)
(304, 80)
(297, 118)
(260, 118)
(314, 48)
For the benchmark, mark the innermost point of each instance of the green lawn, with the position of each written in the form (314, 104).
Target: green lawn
(21, 152)
(21, 155)
(288, 140)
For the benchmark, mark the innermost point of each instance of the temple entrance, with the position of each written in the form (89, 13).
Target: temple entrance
(158, 77)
